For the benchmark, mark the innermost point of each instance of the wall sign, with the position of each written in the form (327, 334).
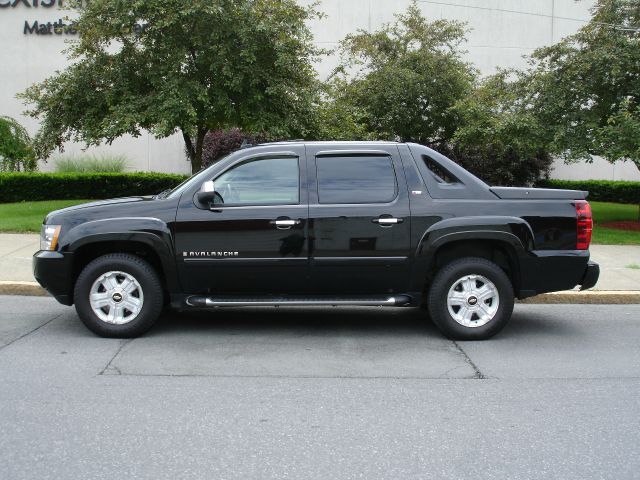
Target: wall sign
(41, 28)
(30, 3)
(59, 27)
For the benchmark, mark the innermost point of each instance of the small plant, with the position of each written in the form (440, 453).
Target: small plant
(91, 164)
(634, 266)
(16, 153)
(220, 143)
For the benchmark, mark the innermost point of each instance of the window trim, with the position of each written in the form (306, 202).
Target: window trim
(359, 153)
(264, 156)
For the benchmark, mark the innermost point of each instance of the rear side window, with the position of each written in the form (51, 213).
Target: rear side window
(356, 179)
(441, 174)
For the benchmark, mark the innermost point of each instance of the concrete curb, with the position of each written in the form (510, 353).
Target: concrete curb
(32, 289)
(591, 297)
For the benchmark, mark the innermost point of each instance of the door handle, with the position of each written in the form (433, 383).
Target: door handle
(387, 221)
(284, 224)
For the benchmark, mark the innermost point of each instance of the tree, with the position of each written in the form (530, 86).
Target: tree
(15, 147)
(498, 137)
(402, 80)
(169, 65)
(337, 117)
(588, 86)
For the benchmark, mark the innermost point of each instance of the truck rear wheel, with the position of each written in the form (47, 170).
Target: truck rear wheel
(118, 295)
(470, 299)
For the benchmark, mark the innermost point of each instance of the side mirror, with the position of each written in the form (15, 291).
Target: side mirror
(206, 194)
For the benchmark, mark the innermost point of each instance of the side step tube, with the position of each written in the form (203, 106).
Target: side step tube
(209, 302)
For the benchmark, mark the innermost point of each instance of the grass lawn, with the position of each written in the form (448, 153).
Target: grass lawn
(26, 217)
(610, 212)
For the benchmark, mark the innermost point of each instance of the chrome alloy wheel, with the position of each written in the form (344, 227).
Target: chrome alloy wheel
(473, 301)
(116, 297)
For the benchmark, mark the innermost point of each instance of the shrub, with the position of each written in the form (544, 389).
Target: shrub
(91, 164)
(600, 190)
(220, 143)
(18, 187)
(16, 153)
(499, 166)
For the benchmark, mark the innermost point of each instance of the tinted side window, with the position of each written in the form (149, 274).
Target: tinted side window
(357, 179)
(441, 174)
(266, 181)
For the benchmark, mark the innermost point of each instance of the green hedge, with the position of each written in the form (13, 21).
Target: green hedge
(600, 190)
(18, 187)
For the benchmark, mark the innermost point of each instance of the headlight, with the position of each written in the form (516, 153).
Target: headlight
(49, 237)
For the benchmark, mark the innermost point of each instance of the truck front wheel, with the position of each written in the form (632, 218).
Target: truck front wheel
(118, 295)
(470, 299)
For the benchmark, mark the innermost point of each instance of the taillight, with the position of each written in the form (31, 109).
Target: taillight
(585, 225)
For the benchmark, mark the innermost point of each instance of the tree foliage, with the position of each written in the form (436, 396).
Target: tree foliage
(408, 81)
(402, 80)
(170, 65)
(498, 137)
(16, 153)
(337, 117)
(587, 86)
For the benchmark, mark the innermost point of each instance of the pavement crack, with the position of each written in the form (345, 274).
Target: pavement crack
(112, 369)
(478, 374)
(29, 332)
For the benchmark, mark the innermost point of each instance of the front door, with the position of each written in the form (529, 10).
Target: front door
(359, 221)
(253, 240)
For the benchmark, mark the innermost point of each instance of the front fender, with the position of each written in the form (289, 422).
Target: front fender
(149, 231)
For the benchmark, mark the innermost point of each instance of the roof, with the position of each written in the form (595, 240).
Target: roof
(329, 142)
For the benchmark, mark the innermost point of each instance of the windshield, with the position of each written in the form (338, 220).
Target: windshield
(199, 177)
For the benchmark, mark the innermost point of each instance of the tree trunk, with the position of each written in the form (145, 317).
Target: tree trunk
(194, 151)
(191, 151)
(196, 163)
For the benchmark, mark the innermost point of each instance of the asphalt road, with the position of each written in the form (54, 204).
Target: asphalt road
(332, 393)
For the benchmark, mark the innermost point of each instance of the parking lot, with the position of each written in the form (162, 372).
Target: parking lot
(320, 393)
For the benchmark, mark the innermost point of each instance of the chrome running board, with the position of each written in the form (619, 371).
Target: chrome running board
(200, 301)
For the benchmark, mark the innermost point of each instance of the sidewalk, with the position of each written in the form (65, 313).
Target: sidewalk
(617, 262)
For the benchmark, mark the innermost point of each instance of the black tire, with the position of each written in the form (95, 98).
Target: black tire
(447, 277)
(142, 272)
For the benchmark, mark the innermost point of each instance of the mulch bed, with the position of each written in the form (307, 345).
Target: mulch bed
(629, 225)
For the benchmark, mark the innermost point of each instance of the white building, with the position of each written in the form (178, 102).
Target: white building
(501, 33)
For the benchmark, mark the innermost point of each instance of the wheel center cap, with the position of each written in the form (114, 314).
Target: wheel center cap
(472, 300)
(116, 297)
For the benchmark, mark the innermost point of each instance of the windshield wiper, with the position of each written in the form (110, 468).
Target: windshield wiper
(163, 194)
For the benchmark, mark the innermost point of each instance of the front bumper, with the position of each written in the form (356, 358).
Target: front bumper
(53, 270)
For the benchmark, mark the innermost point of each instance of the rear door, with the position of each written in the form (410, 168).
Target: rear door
(359, 220)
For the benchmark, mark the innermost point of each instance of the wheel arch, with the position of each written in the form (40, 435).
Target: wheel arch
(502, 240)
(149, 239)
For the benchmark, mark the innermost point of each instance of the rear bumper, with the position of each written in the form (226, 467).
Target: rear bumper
(552, 271)
(591, 275)
(53, 270)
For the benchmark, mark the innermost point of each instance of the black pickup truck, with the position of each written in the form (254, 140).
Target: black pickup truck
(319, 223)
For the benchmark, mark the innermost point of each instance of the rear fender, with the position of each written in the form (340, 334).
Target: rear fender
(511, 231)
